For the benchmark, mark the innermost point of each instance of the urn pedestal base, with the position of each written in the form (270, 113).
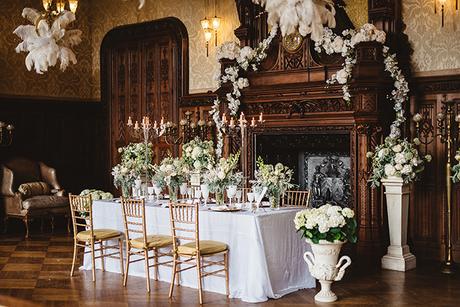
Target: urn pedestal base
(399, 258)
(325, 295)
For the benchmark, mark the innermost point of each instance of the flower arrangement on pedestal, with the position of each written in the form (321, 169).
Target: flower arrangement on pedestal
(135, 162)
(171, 172)
(198, 154)
(456, 169)
(221, 175)
(326, 229)
(277, 179)
(396, 158)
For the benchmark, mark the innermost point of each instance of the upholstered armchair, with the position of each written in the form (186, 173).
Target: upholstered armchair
(30, 190)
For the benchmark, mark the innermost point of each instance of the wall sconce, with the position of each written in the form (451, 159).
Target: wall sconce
(443, 6)
(215, 26)
(206, 26)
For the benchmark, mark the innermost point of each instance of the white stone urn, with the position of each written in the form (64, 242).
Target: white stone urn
(323, 265)
(398, 257)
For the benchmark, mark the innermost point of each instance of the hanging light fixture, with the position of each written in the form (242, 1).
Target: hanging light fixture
(57, 7)
(215, 26)
(443, 4)
(206, 26)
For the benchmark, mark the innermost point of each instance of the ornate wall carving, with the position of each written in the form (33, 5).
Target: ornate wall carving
(15, 79)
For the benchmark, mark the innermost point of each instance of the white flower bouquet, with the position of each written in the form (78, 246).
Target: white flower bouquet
(223, 174)
(198, 154)
(396, 158)
(171, 172)
(456, 168)
(96, 194)
(330, 223)
(277, 178)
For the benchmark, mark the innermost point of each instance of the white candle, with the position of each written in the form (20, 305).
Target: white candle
(224, 119)
(136, 125)
(232, 123)
(253, 122)
(162, 122)
(155, 125)
(130, 121)
(261, 117)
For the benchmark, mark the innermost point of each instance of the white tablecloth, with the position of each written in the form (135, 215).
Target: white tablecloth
(265, 252)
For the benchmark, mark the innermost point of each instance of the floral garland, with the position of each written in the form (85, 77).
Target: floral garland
(345, 45)
(246, 59)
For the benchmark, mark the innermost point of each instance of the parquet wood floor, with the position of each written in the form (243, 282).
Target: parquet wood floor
(36, 273)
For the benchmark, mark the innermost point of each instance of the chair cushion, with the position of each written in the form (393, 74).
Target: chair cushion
(31, 189)
(45, 202)
(99, 234)
(152, 241)
(207, 247)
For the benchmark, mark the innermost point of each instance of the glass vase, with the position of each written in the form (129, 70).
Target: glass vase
(275, 198)
(126, 190)
(219, 197)
(173, 193)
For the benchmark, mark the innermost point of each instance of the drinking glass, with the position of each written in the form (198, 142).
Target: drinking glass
(250, 200)
(239, 194)
(137, 185)
(157, 190)
(205, 194)
(150, 191)
(183, 190)
(198, 195)
(189, 193)
(231, 191)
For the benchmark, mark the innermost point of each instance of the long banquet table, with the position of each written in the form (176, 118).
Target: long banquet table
(265, 252)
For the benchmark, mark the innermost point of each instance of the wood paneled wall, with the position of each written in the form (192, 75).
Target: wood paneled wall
(70, 136)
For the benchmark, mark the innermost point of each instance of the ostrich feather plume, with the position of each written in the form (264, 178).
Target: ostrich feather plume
(306, 16)
(47, 45)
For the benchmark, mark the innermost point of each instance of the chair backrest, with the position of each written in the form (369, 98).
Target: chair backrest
(81, 208)
(184, 223)
(134, 217)
(299, 199)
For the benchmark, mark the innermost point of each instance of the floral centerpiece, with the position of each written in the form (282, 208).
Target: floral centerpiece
(276, 178)
(456, 168)
(135, 162)
(198, 154)
(396, 158)
(326, 229)
(96, 194)
(171, 172)
(221, 175)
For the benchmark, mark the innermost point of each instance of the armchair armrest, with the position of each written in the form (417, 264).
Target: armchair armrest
(7, 182)
(49, 176)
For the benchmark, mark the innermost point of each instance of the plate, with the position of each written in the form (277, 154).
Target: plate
(224, 209)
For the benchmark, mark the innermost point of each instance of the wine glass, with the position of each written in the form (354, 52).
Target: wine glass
(137, 185)
(257, 192)
(239, 194)
(189, 193)
(198, 195)
(183, 190)
(150, 191)
(250, 199)
(157, 190)
(205, 194)
(231, 191)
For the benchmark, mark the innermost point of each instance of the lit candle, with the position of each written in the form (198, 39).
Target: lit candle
(241, 116)
(155, 125)
(253, 122)
(136, 125)
(261, 117)
(130, 121)
(224, 119)
(143, 120)
(232, 123)
(147, 121)
(162, 122)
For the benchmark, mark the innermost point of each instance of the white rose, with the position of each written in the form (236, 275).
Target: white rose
(337, 44)
(246, 53)
(197, 164)
(342, 76)
(221, 175)
(407, 169)
(348, 213)
(399, 158)
(428, 158)
(389, 170)
(397, 148)
(196, 152)
(398, 167)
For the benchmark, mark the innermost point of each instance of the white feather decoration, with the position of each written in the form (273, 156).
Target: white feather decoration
(306, 16)
(46, 46)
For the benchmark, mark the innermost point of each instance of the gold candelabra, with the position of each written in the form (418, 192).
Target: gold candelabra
(445, 130)
(241, 127)
(6, 134)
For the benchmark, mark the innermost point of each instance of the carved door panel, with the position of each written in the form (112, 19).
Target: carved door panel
(143, 74)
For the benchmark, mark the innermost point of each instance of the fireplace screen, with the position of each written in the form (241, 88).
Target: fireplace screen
(321, 163)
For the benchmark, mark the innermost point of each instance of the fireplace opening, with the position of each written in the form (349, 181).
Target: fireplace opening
(321, 163)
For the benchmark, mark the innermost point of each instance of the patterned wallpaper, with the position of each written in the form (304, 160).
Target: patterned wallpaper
(106, 16)
(435, 48)
(357, 11)
(15, 79)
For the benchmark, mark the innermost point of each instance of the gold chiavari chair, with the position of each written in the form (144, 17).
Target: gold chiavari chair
(134, 221)
(300, 199)
(185, 228)
(81, 208)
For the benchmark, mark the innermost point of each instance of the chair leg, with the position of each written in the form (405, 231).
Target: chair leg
(198, 270)
(125, 280)
(120, 246)
(171, 287)
(93, 260)
(147, 271)
(101, 253)
(26, 223)
(226, 274)
(155, 263)
(75, 252)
